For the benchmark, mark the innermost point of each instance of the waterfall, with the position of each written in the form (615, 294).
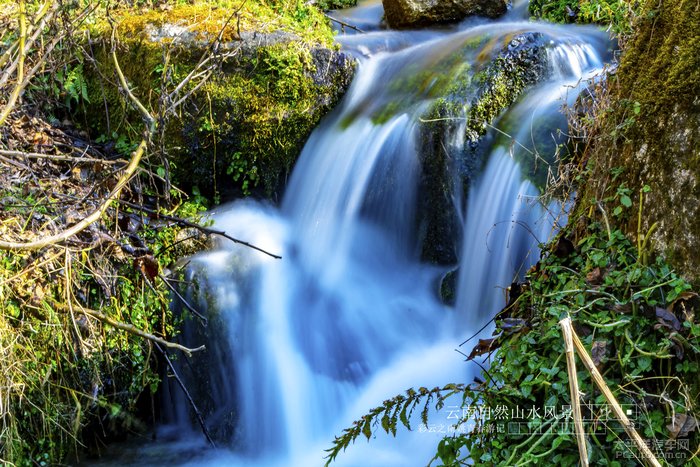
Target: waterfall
(350, 315)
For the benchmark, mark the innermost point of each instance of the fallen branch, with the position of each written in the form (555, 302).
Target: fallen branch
(131, 329)
(57, 157)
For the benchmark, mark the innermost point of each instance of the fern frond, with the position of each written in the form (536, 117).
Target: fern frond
(394, 410)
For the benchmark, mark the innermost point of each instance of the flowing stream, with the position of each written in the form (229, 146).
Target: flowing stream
(350, 315)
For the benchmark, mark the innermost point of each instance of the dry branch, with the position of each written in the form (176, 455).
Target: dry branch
(57, 157)
(648, 456)
(85, 222)
(197, 413)
(131, 329)
(20, 63)
(567, 331)
(201, 228)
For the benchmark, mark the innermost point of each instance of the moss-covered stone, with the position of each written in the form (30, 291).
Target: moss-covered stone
(650, 130)
(244, 128)
(504, 68)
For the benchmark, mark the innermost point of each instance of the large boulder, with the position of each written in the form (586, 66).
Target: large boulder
(242, 130)
(414, 13)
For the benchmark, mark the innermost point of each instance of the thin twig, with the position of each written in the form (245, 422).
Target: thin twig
(207, 230)
(197, 413)
(203, 318)
(343, 23)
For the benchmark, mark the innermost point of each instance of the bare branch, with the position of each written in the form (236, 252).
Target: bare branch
(197, 413)
(131, 329)
(207, 230)
(20, 63)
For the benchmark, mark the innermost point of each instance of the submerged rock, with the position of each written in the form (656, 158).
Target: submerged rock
(414, 13)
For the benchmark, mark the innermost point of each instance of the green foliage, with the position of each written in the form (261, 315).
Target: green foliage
(637, 320)
(618, 16)
(393, 411)
(335, 4)
(64, 374)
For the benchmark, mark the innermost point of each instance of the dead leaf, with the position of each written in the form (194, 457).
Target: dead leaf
(484, 346)
(512, 325)
(681, 425)
(685, 305)
(667, 319)
(148, 266)
(623, 308)
(41, 139)
(599, 352)
(595, 277)
(563, 248)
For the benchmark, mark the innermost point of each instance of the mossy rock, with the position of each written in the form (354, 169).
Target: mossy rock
(241, 131)
(650, 132)
(478, 95)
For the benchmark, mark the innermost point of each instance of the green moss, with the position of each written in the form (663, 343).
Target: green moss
(479, 95)
(651, 129)
(247, 125)
(207, 19)
(335, 4)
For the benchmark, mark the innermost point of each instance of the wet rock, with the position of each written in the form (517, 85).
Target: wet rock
(414, 13)
(486, 91)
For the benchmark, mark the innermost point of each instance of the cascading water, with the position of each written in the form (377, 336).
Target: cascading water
(350, 316)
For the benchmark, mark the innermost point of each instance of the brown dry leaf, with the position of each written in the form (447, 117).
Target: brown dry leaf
(622, 308)
(667, 319)
(149, 266)
(685, 306)
(512, 325)
(484, 346)
(564, 248)
(41, 139)
(595, 277)
(599, 352)
(681, 425)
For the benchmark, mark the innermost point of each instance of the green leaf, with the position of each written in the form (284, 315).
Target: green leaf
(367, 429)
(625, 201)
